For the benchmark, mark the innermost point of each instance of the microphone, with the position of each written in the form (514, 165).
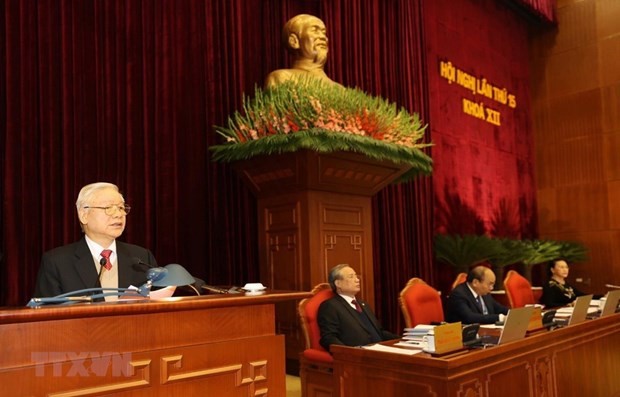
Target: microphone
(612, 286)
(217, 290)
(140, 265)
(101, 266)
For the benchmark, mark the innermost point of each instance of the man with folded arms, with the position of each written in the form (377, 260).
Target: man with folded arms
(471, 302)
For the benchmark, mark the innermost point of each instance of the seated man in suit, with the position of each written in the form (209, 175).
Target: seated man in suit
(471, 302)
(344, 320)
(97, 259)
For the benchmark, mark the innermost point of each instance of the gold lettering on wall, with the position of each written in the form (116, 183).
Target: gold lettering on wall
(478, 86)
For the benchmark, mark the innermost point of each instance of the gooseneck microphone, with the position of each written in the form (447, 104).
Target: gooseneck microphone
(139, 265)
(102, 262)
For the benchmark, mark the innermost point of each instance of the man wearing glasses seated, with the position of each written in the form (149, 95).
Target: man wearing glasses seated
(345, 320)
(97, 259)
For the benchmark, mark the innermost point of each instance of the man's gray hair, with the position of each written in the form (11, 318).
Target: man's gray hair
(88, 191)
(336, 274)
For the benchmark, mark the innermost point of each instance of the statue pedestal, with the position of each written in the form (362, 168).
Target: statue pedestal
(314, 212)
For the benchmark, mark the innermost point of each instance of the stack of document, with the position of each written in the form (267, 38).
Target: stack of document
(564, 312)
(414, 337)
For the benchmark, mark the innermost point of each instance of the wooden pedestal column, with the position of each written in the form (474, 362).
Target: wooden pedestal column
(314, 212)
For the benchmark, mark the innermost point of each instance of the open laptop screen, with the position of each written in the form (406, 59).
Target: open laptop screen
(580, 310)
(515, 326)
(611, 303)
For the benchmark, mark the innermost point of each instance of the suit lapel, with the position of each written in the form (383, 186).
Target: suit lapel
(353, 313)
(124, 264)
(489, 305)
(84, 265)
(472, 299)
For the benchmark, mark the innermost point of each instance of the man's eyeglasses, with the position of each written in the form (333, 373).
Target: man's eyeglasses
(353, 276)
(112, 209)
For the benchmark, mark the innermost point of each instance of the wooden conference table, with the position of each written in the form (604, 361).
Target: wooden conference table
(214, 345)
(582, 360)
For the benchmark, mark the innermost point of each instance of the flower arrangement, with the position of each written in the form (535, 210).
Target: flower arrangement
(311, 114)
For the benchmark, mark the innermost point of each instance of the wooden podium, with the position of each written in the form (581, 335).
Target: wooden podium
(221, 345)
(314, 212)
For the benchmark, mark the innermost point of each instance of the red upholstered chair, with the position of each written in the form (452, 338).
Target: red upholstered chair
(460, 279)
(315, 363)
(518, 289)
(420, 303)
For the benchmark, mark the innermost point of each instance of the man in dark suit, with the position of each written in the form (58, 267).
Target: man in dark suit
(345, 320)
(97, 259)
(471, 302)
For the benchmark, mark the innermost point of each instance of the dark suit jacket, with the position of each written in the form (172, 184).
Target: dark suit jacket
(340, 324)
(462, 306)
(71, 268)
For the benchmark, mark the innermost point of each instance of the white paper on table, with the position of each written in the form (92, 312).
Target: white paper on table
(162, 293)
(389, 349)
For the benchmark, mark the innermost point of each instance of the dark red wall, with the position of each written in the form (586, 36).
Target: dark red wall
(483, 177)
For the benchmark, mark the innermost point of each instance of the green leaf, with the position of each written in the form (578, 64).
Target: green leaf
(310, 114)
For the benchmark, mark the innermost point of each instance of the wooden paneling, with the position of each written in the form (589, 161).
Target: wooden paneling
(576, 361)
(211, 345)
(576, 113)
(314, 212)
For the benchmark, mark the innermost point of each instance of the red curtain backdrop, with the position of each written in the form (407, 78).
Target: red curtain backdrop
(390, 64)
(128, 91)
(543, 9)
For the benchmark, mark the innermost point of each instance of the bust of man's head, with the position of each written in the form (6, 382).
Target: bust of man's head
(305, 37)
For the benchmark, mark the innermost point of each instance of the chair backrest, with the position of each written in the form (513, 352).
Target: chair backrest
(420, 303)
(460, 279)
(308, 309)
(518, 289)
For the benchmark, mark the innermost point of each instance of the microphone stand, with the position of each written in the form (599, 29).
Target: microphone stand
(70, 297)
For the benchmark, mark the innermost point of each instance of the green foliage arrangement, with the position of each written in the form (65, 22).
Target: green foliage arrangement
(540, 251)
(572, 252)
(463, 252)
(311, 114)
(510, 251)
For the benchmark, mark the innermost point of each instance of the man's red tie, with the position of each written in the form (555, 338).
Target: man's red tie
(357, 306)
(108, 263)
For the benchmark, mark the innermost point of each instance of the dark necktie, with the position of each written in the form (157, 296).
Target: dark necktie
(106, 255)
(483, 309)
(357, 306)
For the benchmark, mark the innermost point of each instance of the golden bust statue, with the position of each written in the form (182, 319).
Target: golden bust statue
(305, 37)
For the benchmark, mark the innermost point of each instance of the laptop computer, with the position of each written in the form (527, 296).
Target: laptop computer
(610, 306)
(515, 327)
(579, 312)
(611, 303)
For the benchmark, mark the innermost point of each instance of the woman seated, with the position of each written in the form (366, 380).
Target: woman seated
(557, 292)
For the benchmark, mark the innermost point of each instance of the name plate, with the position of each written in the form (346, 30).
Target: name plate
(536, 319)
(448, 337)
